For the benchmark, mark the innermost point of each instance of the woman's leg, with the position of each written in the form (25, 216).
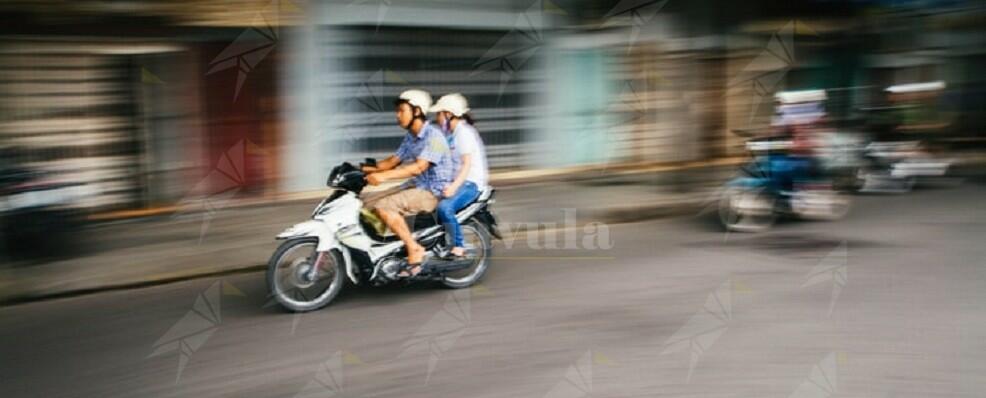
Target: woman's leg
(465, 195)
(446, 215)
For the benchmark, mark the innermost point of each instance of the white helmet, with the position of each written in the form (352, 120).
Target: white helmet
(418, 98)
(454, 103)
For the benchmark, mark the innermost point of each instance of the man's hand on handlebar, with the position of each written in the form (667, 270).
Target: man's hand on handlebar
(375, 178)
(369, 165)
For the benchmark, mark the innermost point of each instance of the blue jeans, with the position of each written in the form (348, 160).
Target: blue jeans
(447, 207)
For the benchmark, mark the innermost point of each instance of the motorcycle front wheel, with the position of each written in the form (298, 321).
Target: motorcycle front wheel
(292, 282)
(746, 209)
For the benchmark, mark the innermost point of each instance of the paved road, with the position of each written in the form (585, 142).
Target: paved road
(887, 303)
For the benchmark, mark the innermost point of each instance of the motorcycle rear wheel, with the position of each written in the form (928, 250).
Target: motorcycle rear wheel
(836, 206)
(479, 246)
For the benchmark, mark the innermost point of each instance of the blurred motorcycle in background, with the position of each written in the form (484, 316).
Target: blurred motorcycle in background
(773, 184)
(793, 170)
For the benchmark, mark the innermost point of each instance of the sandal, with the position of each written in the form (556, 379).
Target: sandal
(453, 256)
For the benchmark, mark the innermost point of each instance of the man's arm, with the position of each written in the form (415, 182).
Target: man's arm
(419, 166)
(433, 152)
(383, 165)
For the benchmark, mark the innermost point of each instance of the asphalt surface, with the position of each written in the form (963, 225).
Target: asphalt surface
(886, 303)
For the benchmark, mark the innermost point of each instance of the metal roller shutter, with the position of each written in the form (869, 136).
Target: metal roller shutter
(378, 64)
(73, 114)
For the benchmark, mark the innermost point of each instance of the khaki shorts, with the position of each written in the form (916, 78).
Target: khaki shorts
(407, 202)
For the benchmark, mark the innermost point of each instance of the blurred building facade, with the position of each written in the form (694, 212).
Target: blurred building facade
(152, 102)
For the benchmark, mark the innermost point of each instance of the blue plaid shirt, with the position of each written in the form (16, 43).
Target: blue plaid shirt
(430, 145)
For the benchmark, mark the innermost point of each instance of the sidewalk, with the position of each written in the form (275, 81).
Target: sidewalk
(164, 248)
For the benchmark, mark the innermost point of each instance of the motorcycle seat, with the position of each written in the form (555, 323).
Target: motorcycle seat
(375, 227)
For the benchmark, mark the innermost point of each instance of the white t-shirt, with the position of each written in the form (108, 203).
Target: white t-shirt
(468, 142)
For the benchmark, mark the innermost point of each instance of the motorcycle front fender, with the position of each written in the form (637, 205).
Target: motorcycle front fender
(311, 228)
(326, 241)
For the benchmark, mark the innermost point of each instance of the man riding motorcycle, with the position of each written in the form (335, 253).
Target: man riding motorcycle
(424, 155)
(799, 115)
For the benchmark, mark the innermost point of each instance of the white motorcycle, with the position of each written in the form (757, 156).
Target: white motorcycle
(342, 241)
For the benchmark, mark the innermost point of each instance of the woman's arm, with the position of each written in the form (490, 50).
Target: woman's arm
(459, 178)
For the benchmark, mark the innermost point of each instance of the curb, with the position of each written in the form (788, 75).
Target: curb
(79, 292)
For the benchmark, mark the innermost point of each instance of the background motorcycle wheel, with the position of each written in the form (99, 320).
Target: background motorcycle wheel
(287, 278)
(837, 207)
(746, 209)
(478, 244)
